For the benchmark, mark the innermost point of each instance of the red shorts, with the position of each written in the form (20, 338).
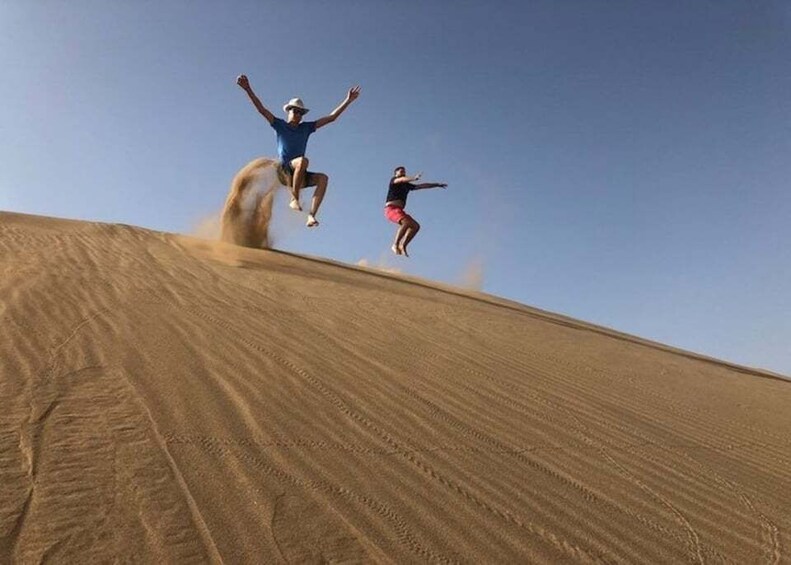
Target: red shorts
(396, 214)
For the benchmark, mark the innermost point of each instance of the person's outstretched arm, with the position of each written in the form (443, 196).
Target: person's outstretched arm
(413, 178)
(431, 185)
(245, 84)
(351, 96)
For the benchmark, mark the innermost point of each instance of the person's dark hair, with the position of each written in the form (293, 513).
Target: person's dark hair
(395, 171)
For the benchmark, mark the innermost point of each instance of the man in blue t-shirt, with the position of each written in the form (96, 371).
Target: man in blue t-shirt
(292, 139)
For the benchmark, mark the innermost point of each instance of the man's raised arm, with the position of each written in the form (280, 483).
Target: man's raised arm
(245, 84)
(351, 96)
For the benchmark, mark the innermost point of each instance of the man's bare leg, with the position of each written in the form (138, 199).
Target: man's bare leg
(300, 167)
(321, 181)
(410, 233)
(396, 247)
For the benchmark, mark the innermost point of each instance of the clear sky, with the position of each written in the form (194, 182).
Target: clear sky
(626, 163)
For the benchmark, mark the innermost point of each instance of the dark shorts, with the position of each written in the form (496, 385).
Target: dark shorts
(285, 175)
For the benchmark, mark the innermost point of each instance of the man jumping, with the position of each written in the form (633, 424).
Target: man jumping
(292, 139)
(400, 187)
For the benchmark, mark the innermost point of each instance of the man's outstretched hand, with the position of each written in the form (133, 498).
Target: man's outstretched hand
(242, 81)
(353, 94)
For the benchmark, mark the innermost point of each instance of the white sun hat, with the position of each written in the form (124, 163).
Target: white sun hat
(295, 103)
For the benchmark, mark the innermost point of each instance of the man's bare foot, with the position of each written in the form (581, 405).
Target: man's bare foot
(402, 248)
(396, 249)
(312, 221)
(294, 205)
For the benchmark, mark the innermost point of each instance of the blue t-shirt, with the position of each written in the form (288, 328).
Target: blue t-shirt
(292, 140)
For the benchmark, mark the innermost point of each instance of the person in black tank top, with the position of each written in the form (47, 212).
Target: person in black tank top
(400, 187)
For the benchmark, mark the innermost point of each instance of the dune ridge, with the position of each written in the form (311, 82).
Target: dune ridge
(172, 399)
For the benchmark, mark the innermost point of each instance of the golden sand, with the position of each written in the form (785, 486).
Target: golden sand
(167, 399)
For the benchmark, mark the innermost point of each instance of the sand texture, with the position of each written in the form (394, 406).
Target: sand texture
(172, 400)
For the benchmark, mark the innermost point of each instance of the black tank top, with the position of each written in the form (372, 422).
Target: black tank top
(398, 190)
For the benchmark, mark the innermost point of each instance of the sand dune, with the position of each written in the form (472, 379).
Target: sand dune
(167, 399)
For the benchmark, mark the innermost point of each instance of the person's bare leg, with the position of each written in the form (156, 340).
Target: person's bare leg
(321, 181)
(402, 227)
(410, 233)
(300, 167)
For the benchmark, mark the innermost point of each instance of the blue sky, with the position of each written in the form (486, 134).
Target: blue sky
(624, 163)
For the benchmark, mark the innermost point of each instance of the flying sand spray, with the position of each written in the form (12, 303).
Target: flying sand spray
(248, 209)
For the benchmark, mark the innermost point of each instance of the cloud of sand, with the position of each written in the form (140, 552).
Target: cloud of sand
(380, 265)
(247, 214)
(472, 275)
(208, 227)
